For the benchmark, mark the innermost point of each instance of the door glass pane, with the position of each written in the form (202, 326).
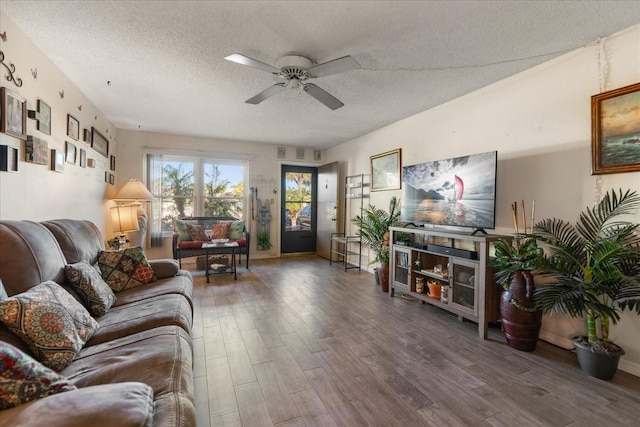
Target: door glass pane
(298, 212)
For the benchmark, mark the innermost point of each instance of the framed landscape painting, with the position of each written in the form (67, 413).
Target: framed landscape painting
(615, 128)
(386, 170)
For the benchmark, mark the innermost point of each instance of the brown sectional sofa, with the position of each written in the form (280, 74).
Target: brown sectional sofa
(137, 369)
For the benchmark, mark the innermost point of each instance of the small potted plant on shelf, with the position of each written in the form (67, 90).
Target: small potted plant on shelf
(593, 268)
(373, 229)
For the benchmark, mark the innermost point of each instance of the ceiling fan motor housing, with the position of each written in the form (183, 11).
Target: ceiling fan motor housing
(294, 67)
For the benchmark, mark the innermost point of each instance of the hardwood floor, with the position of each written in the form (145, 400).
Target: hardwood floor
(296, 342)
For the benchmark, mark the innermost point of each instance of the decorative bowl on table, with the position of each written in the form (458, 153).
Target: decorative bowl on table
(219, 242)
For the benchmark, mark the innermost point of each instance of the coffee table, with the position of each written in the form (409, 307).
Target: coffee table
(219, 249)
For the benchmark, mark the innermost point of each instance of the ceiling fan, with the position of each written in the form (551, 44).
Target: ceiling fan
(295, 70)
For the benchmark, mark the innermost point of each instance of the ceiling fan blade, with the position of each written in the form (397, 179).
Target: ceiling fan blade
(245, 60)
(323, 96)
(271, 90)
(340, 65)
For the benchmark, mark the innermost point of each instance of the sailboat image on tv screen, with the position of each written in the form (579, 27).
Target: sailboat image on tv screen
(458, 191)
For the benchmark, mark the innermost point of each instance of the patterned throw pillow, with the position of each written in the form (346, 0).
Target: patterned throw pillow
(220, 230)
(197, 233)
(53, 324)
(182, 230)
(236, 229)
(22, 379)
(88, 283)
(125, 269)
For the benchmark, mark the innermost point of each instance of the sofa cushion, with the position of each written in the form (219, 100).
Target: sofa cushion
(23, 379)
(50, 321)
(236, 229)
(181, 283)
(220, 230)
(80, 240)
(181, 228)
(126, 404)
(30, 255)
(125, 269)
(197, 233)
(95, 293)
(143, 315)
(160, 357)
(190, 245)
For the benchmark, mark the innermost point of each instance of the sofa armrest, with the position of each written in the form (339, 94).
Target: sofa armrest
(107, 405)
(164, 268)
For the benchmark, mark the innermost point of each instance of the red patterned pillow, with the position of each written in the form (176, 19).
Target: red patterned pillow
(95, 293)
(197, 233)
(53, 324)
(220, 230)
(22, 379)
(125, 269)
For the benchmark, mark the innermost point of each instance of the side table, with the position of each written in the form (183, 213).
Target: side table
(219, 249)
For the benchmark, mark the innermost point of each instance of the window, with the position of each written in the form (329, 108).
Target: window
(191, 186)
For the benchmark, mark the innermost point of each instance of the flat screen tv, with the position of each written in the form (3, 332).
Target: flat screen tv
(457, 192)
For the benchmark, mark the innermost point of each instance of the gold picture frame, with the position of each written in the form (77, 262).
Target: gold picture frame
(615, 129)
(386, 171)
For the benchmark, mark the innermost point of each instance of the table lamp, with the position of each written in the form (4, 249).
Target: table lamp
(124, 219)
(136, 193)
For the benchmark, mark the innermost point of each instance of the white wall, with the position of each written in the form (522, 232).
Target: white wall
(263, 172)
(540, 123)
(35, 192)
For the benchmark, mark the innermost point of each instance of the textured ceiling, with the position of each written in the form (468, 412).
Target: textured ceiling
(165, 59)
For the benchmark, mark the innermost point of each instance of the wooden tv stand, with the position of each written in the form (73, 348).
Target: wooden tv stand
(456, 261)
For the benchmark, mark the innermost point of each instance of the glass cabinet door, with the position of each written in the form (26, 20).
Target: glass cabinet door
(401, 266)
(464, 293)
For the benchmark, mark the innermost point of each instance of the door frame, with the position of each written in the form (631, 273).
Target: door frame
(280, 219)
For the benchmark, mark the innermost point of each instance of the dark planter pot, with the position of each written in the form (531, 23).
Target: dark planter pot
(595, 363)
(521, 325)
(383, 275)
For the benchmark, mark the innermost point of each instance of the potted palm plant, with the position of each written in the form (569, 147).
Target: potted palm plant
(373, 229)
(593, 269)
(515, 265)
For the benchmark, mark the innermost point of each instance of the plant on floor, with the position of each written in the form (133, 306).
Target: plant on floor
(264, 240)
(373, 228)
(593, 268)
(515, 263)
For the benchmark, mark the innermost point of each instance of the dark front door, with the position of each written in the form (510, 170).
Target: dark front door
(298, 206)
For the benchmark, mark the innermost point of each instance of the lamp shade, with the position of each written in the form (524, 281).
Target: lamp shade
(134, 190)
(124, 218)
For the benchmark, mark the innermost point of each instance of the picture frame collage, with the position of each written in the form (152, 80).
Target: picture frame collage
(14, 113)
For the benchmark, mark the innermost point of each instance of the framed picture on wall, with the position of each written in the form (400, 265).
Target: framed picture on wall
(83, 158)
(386, 170)
(112, 163)
(44, 117)
(99, 142)
(13, 120)
(36, 150)
(615, 129)
(71, 152)
(73, 127)
(57, 160)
